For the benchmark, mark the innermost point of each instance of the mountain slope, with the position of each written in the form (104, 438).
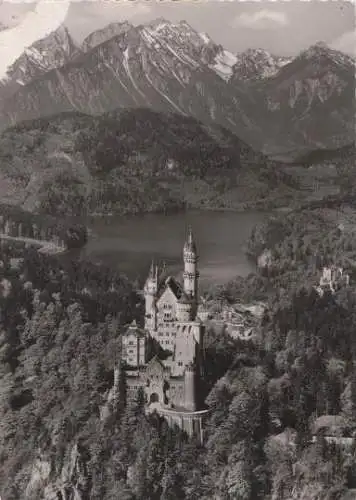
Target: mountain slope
(103, 35)
(134, 161)
(162, 66)
(53, 51)
(313, 99)
(257, 64)
(274, 105)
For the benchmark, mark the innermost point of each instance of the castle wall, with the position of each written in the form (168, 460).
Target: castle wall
(133, 383)
(133, 349)
(176, 391)
(175, 394)
(166, 314)
(189, 389)
(186, 345)
(190, 422)
(184, 312)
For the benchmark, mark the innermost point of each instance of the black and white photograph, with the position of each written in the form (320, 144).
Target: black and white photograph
(177, 250)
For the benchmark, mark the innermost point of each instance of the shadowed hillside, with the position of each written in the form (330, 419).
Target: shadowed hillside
(134, 161)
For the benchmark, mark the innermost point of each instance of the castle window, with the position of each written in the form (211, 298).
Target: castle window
(154, 398)
(180, 363)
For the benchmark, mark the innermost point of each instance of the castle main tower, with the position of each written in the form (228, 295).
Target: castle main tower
(190, 275)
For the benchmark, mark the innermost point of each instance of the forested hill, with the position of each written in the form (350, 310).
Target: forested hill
(67, 432)
(133, 161)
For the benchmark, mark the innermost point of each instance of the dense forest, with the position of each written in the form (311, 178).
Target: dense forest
(41, 227)
(134, 161)
(67, 431)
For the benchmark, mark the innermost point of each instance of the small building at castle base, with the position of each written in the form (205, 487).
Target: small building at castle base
(166, 357)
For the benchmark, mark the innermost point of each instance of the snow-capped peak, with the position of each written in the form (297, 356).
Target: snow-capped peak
(322, 50)
(256, 64)
(224, 63)
(158, 24)
(206, 39)
(52, 51)
(104, 34)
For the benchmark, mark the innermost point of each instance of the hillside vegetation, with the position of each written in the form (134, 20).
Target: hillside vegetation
(134, 161)
(291, 248)
(67, 432)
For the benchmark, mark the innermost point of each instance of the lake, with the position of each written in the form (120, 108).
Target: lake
(129, 243)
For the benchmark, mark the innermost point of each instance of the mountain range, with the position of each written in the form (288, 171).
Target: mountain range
(277, 105)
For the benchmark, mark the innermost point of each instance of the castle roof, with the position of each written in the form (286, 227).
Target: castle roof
(156, 366)
(189, 245)
(184, 299)
(133, 328)
(174, 286)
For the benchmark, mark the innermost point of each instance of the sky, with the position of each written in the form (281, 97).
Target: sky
(281, 27)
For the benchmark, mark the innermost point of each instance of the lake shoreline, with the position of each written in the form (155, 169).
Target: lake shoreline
(95, 215)
(129, 243)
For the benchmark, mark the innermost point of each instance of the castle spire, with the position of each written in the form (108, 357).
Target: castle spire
(151, 275)
(191, 274)
(189, 245)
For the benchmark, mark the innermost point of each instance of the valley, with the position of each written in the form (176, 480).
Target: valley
(173, 122)
(182, 331)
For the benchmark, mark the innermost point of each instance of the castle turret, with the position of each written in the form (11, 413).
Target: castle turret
(150, 292)
(189, 387)
(190, 275)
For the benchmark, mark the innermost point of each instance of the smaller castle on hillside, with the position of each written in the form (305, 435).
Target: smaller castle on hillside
(166, 357)
(332, 279)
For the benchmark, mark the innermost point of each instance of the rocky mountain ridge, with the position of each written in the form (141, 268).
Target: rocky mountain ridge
(257, 64)
(56, 50)
(272, 103)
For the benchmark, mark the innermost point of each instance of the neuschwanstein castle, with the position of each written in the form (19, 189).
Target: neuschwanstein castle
(166, 357)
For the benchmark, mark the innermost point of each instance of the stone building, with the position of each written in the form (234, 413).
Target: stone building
(166, 357)
(333, 278)
(134, 345)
